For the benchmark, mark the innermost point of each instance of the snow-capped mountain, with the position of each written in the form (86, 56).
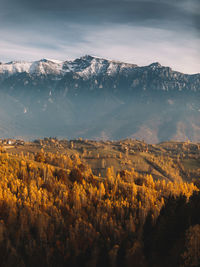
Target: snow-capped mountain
(85, 66)
(94, 97)
(88, 67)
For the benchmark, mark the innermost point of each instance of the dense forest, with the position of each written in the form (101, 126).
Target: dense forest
(55, 211)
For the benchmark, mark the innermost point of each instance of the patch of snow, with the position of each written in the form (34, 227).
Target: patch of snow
(15, 67)
(55, 61)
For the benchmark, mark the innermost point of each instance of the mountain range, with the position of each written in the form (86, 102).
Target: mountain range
(96, 98)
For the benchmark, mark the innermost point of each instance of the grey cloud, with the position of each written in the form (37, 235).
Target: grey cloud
(97, 11)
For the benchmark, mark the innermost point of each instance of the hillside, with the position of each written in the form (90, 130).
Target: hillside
(86, 203)
(170, 161)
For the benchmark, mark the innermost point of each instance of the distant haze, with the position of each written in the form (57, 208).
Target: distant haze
(133, 31)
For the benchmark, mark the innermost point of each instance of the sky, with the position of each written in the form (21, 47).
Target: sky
(134, 31)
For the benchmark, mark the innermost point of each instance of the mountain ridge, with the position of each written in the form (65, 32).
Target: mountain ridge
(70, 65)
(97, 98)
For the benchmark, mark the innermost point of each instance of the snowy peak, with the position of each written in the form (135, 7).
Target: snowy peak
(88, 66)
(155, 65)
(46, 67)
(87, 58)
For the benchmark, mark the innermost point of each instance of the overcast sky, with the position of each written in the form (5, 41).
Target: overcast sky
(140, 32)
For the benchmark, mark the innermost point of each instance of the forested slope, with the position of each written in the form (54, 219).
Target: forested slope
(55, 212)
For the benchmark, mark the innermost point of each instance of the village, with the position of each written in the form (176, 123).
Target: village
(166, 160)
(12, 142)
